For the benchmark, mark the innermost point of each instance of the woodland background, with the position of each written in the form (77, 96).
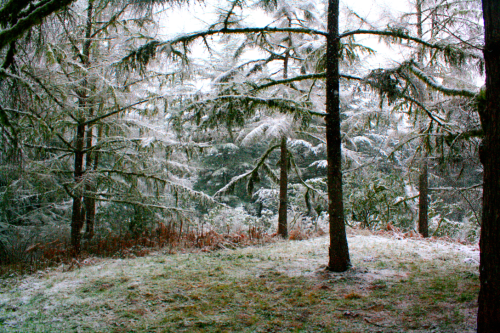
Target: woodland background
(111, 132)
(118, 137)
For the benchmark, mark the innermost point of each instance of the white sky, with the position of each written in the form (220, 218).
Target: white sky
(196, 17)
(177, 21)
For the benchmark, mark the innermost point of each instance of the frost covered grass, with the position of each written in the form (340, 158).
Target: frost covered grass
(394, 285)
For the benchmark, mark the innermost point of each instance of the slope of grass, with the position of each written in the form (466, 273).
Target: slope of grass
(394, 286)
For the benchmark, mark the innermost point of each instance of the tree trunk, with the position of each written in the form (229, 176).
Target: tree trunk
(283, 207)
(488, 318)
(423, 187)
(423, 183)
(78, 214)
(77, 217)
(339, 250)
(282, 212)
(89, 201)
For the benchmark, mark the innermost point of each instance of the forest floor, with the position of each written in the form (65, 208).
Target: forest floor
(395, 285)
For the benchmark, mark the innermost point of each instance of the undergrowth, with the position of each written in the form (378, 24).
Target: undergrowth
(41, 255)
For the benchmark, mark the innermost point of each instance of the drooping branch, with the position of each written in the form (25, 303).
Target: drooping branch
(429, 113)
(178, 188)
(117, 111)
(106, 197)
(281, 104)
(251, 175)
(402, 35)
(433, 84)
(143, 55)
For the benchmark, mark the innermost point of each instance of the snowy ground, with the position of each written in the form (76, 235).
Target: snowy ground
(395, 284)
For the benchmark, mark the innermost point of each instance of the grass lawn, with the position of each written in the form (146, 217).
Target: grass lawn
(405, 285)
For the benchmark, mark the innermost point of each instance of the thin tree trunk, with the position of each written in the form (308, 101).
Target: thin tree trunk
(282, 212)
(339, 250)
(420, 32)
(77, 217)
(283, 207)
(423, 186)
(488, 318)
(89, 201)
(78, 214)
(423, 183)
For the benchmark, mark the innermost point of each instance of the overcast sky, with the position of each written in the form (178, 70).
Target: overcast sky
(379, 12)
(196, 17)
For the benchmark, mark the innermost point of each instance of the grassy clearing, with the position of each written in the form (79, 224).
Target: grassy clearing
(394, 286)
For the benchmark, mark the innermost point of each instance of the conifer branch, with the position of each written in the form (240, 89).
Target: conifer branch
(144, 54)
(427, 111)
(34, 17)
(176, 187)
(476, 186)
(281, 104)
(303, 78)
(119, 110)
(449, 50)
(101, 197)
(297, 172)
(433, 84)
(252, 174)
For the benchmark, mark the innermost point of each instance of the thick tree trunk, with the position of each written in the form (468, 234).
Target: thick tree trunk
(488, 319)
(282, 212)
(423, 187)
(339, 250)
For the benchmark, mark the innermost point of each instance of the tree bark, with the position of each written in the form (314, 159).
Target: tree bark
(423, 187)
(282, 212)
(78, 214)
(339, 250)
(488, 318)
(77, 217)
(423, 182)
(89, 201)
(283, 207)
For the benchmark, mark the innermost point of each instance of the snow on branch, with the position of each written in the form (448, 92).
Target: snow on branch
(473, 187)
(252, 175)
(313, 76)
(453, 54)
(34, 17)
(433, 84)
(250, 104)
(174, 187)
(143, 55)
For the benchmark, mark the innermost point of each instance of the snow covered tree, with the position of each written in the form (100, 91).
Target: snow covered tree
(394, 84)
(99, 121)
